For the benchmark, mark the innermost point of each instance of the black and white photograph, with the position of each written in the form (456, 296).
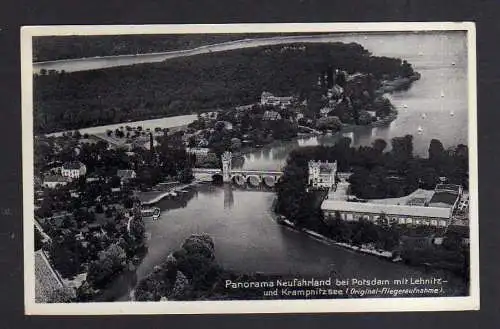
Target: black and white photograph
(250, 168)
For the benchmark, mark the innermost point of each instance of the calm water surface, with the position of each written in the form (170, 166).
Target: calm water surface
(247, 239)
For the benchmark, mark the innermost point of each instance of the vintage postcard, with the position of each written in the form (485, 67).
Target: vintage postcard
(250, 168)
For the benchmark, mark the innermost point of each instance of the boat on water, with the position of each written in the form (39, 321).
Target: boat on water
(405, 106)
(452, 113)
(453, 63)
(442, 94)
(424, 115)
(420, 129)
(150, 213)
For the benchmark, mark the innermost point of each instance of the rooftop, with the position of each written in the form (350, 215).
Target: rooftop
(443, 197)
(362, 207)
(448, 187)
(126, 173)
(46, 279)
(271, 115)
(55, 179)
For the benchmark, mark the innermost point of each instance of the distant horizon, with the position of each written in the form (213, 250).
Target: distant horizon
(129, 38)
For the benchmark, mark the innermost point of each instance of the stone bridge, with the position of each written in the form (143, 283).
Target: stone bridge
(239, 177)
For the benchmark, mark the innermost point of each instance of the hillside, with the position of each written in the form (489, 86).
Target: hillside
(190, 84)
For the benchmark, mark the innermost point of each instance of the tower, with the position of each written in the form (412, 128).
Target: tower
(226, 166)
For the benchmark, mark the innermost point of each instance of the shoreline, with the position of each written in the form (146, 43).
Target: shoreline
(159, 197)
(388, 255)
(346, 128)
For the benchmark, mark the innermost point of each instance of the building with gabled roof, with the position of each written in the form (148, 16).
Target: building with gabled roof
(53, 181)
(73, 169)
(271, 116)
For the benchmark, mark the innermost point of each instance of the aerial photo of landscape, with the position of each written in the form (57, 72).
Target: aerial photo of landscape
(250, 166)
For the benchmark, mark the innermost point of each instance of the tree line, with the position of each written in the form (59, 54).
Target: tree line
(190, 84)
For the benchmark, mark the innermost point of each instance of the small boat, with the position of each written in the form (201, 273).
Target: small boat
(442, 94)
(453, 63)
(420, 129)
(405, 106)
(452, 113)
(424, 115)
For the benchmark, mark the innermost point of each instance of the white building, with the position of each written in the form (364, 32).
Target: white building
(126, 175)
(198, 151)
(322, 174)
(399, 214)
(269, 99)
(271, 116)
(73, 169)
(53, 181)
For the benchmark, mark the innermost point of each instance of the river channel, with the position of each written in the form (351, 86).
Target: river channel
(246, 237)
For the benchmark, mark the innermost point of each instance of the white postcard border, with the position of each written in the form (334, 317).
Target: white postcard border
(470, 302)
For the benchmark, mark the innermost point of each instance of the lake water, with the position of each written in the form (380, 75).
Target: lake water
(248, 240)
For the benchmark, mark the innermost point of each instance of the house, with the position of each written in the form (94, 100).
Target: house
(74, 169)
(199, 152)
(92, 178)
(335, 92)
(322, 174)
(325, 111)
(271, 116)
(147, 145)
(126, 175)
(446, 195)
(53, 181)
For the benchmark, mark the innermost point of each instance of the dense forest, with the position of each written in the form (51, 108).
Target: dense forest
(191, 84)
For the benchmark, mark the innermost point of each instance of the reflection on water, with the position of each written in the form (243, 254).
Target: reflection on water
(228, 196)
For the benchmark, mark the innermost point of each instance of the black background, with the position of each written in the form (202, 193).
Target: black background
(14, 14)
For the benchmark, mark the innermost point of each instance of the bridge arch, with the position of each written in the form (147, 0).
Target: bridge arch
(269, 181)
(253, 180)
(238, 180)
(217, 178)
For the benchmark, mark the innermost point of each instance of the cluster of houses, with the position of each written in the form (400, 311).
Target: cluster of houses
(70, 171)
(63, 175)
